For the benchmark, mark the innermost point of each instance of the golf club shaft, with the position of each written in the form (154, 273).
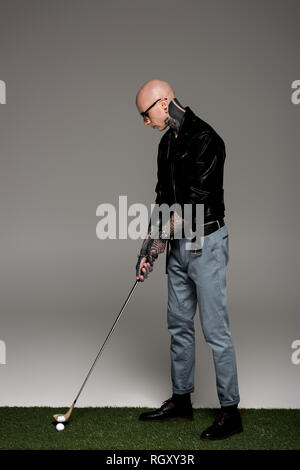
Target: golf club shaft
(107, 338)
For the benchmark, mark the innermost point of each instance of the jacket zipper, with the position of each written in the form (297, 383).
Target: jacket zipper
(172, 169)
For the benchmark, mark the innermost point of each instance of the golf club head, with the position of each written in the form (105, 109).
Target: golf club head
(65, 416)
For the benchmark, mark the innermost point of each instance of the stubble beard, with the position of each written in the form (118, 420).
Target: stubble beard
(173, 123)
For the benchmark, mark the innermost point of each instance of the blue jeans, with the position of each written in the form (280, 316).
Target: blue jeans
(201, 278)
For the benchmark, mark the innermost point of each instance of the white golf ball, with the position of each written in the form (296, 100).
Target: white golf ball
(60, 427)
(61, 419)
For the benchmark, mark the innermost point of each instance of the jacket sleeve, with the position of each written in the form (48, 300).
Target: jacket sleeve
(209, 156)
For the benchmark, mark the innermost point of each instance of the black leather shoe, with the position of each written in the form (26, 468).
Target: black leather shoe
(226, 424)
(170, 411)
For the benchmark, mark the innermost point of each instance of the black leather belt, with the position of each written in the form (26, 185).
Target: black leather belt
(209, 228)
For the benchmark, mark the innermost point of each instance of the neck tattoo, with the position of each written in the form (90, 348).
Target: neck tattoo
(175, 117)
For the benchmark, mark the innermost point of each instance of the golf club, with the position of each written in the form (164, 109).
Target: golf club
(59, 418)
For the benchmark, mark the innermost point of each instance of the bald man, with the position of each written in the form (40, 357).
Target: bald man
(190, 163)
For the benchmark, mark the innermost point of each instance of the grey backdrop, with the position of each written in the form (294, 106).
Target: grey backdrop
(71, 138)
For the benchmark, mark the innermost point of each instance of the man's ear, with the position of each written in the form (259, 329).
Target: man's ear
(165, 105)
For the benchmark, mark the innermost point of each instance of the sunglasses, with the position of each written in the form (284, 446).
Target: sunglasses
(145, 113)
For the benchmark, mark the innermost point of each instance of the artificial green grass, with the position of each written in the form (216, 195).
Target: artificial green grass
(119, 429)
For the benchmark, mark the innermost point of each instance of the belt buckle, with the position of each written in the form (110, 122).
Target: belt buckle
(196, 252)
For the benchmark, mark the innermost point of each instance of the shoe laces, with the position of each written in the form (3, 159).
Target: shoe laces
(221, 417)
(167, 401)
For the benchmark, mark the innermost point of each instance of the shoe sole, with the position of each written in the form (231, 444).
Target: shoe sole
(166, 419)
(220, 438)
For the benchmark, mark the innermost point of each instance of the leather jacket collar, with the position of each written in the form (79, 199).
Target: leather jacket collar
(189, 125)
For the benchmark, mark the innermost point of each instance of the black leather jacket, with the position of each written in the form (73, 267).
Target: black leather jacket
(190, 167)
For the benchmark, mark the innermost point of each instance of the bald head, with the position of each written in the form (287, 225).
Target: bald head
(152, 91)
(156, 102)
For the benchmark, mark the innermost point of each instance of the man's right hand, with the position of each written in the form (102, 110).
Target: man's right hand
(143, 269)
(148, 254)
